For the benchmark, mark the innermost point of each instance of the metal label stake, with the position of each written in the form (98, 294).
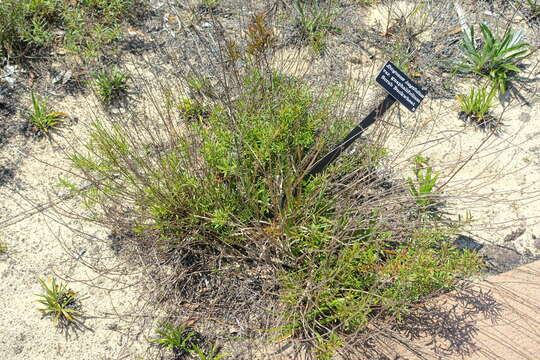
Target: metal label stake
(400, 88)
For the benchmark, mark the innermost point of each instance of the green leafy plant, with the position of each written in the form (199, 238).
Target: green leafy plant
(423, 264)
(61, 303)
(477, 103)
(496, 57)
(179, 339)
(327, 346)
(110, 84)
(235, 181)
(41, 118)
(422, 187)
(276, 129)
(314, 21)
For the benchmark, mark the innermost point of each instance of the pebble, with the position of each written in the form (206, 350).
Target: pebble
(10, 80)
(116, 111)
(57, 78)
(525, 116)
(10, 70)
(7, 74)
(62, 76)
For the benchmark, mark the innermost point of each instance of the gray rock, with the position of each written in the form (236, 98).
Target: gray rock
(466, 242)
(500, 258)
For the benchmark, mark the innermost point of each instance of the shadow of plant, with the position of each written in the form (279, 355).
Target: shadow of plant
(441, 328)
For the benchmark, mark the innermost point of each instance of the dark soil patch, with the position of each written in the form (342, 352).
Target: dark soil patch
(6, 175)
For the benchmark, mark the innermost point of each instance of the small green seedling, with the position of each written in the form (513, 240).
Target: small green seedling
(61, 303)
(3, 247)
(534, 8)
(208, 5)
(495, 58)
(422, 188)
(476, 104)
(192, 109)
(111, 85)
(41, 118)
(314, 21)
(366, 2)
(200, 86)
(212, 354)
(179, 339)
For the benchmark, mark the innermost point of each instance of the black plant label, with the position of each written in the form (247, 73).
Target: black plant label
(400, 87)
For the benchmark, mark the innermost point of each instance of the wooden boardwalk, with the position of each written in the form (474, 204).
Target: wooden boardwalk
(496, 318)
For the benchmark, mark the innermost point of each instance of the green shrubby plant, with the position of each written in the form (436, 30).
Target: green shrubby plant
(229, 183)
(12, 35)
(496, 58)
(83, 27)
(277, 121)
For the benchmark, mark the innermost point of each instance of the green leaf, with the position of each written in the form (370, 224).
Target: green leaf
(511, 67)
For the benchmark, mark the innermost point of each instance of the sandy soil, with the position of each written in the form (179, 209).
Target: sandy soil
(43, 242)
(500, 182)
